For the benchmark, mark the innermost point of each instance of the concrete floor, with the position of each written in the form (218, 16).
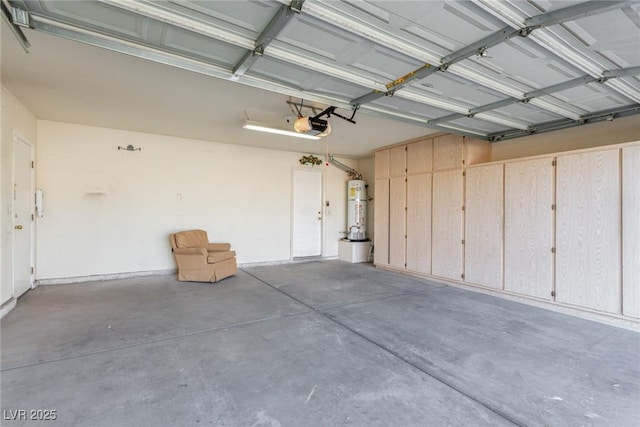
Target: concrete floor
(309, 344)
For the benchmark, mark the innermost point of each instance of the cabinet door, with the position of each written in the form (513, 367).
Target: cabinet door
(588, 230)
(447, 152)
(483, 226)
(419, 223)
(419, 156)
(528, 235)
(476, 151)
(397, 221)
(381, 223)
(397, 161)
(631, 231)
(446, 249)
(382, 164)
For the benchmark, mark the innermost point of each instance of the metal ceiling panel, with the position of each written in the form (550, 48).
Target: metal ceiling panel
(303, 78)
(320, 38)
(405, 105)
(195, 45)
(613, 35)
(458, 89)
(94, 15)
(593, 97)
(441, 60)
(526, 63)
(248, 20)
(482, 126)
(527, 112)
(282, 72)
(445, 24)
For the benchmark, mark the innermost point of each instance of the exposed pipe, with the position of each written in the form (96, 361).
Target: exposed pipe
(352, 172)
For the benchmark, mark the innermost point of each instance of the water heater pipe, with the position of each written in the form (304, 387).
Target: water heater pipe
(352, 172)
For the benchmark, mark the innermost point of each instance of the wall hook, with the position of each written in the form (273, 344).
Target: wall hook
(129, 148)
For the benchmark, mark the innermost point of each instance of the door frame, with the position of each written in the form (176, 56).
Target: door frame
(32, 188)
(322, 210)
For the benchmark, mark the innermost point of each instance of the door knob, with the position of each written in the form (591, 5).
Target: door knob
(18, 227)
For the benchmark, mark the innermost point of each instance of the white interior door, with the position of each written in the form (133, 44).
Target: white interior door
(23, 204)
(307, 213)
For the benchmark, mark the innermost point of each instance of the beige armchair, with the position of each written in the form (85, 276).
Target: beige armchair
(201, 261)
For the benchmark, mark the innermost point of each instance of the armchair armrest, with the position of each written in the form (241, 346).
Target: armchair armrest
(218, 247)
(190, 251)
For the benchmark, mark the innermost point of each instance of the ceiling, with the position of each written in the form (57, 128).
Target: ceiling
(489, 69)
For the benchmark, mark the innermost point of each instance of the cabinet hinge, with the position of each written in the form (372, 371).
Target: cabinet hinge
(554, 163)
(464, 173)
(32, 270)
(553, 207)
(462, 276)
(33, 165)
(405, 148)
(553, 293)
(405, 265)
(463, 161)
(553, 250)
(463, 241)
(463, 208)
(32, 217)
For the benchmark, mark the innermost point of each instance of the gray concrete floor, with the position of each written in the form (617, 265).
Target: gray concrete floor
(309, 344)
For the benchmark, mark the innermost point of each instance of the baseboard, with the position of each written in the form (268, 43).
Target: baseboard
(286, 261)
(99, 277)
(7, 307)
(583, 313)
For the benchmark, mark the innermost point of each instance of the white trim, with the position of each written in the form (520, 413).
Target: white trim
(100, 277)
(32, 229)
(7, 307)
(132, 274)
(286, 261)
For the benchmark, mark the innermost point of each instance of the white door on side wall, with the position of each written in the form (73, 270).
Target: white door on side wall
(307, 214)
(23, 208)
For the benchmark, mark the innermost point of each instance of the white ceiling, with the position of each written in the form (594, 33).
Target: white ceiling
(333, 53)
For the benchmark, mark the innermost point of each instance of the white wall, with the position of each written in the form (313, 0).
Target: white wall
(110, 211)
(620, 130)
(15, 118)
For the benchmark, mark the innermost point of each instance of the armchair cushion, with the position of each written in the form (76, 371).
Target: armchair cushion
(190, 251)
(215, 247)
(220, 256)
(192, 239)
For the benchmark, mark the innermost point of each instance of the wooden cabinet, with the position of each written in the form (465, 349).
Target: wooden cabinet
(404, 235)
(381, 222)
(420, 156)
(447, 224)
(456, 152)
(483, 226)
(563, 228)
(448, 152)
(631, 231)
(397, 221)
(588, 230)
(397, 161)
(419, 223)
(528, 231)
(381, 164)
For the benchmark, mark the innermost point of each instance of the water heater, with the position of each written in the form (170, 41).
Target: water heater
(356, 210)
